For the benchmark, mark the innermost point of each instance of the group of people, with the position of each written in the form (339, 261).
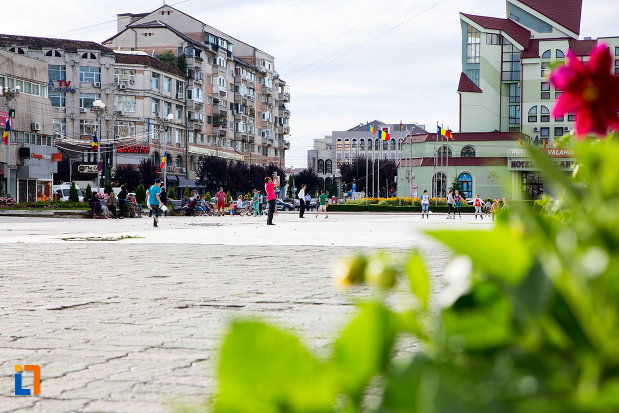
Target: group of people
(112, 207)
(454, 204)
(305, 199)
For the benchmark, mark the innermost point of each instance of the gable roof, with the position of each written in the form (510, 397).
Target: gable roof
(145, 60)
(579, 47)
(467, 85)
(567, 13)
(156, 24)
(507, 26)
(40, 43)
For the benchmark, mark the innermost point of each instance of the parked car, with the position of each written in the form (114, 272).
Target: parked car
(283, 206)
(62, 191)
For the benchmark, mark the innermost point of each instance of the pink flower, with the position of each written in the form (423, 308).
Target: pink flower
(590, 90)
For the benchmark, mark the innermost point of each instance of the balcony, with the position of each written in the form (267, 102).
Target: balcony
(286, 145)
(284, 96)
(283, 112)
(220, 110)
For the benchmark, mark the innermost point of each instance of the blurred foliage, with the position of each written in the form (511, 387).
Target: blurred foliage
(527, 321)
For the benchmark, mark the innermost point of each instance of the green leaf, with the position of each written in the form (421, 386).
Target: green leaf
(418, 278)
(501, 252)
(264, 369)
(363, 348)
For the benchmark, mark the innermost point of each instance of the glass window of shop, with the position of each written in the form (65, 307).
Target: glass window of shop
(33, 190)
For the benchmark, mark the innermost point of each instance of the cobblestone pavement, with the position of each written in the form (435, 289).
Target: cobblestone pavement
(131, 325)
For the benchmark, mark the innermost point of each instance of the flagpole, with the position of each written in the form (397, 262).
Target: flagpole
(435, 162)
(380, 156)
(447, 167)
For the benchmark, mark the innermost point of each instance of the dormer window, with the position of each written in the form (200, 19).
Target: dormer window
(88, 55)
(53, 53)
(17, 50)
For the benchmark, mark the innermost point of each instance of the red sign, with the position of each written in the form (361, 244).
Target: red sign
(3, 117)
(133, 149)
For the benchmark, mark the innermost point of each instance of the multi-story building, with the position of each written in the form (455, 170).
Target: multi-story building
(504, 89)
(233, 90)
(33, 158)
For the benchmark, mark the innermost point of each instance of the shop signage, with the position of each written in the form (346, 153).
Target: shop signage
(53, 157)
(528, 165)
(3, 117)
(552, 152)
(133, 149)
(87, 168)
(60, 86)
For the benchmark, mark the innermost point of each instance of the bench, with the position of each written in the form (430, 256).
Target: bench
(177, 207)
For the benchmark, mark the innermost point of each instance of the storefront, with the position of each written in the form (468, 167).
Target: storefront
(35, 172)
(528, 183)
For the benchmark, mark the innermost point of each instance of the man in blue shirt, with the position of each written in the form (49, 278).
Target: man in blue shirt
(154, 199)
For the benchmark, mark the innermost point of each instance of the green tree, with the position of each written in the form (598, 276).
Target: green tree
(171, 193)
(73, 193)
(228, 196)
(207, 197)
(108, 188)
(455, 185)
(88, 193)
(181, 63)
(169, 58)
(140, 194)
(186, 192)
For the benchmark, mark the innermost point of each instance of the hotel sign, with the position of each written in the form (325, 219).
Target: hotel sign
(520, 164)
(551, 152)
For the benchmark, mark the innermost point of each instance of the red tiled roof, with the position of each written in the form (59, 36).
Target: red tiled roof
(468, 137)
(507, 26)
(456, 161)
(582, 47)
(565, 12)
(467, 85)
(133, 59)
(532, 51)
(39, 43)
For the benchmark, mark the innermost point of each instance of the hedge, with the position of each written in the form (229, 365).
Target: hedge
(381, 208)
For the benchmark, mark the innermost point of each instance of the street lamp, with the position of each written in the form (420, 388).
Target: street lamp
(9, 95)
(99, 107)
(165, 122)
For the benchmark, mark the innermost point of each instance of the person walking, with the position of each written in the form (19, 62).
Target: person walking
(269, 187)
(154, 199)
(425, 204)
(302, 201)
(450, 203)
(256, 201)
(457, 204)
(122, 200)
(477, 204)
(308, 201)
(221, 201)
(323, 204)
(164, 199)
(496, 205)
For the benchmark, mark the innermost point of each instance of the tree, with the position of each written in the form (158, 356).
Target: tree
(455, 186)
(186, 192)
(140, 194)
(332, 189)
(182, 63)
(171, 193)
(307, 177)
(207, 197)
(73, 193)
(88, 193)
(108, 188)
(228, 196)
(213, 173)
(148, 172)
(354, 172)
(129, 176)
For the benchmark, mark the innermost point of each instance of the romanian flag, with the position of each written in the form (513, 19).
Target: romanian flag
(401, 126)
(95, 142)
(445, 132)
(163, 160)
(384, 135)
(370, 128)
(7, 128)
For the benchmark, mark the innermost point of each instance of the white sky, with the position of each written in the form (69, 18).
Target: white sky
(346, 61)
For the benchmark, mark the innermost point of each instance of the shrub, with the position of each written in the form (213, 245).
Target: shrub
(171, 192)
(186, 192)
(73, 193)
(140, 194)
(228, 197)
(108, 188)
(88, 193)
(207, 197)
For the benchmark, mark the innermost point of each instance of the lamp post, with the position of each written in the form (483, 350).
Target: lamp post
(9, 95)
(99, 107)
(165, 122)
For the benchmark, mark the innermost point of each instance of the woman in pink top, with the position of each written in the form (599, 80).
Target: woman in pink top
(269, 187)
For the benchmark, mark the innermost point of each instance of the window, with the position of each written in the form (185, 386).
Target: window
(514, 93)
(362, 144)
(376, 144)
(329, 166)
(467, 152)
(545, 87)
(58, 99)
(57, 72)
(545, 114)
(321, 166)
(124, 77)
(179, 112)
(167, 109)
(511, 62)
(558, 131)
(124, 103)
(545, 69)
(493, 38)
(191, 137)
(473, 74)
(89, 56)
(392, 144)
(179, 161)
(560, 54)
(466, 185)
(90, 74)
(439, 182)
(544, 132)
(339, 145)
(571, 117)
(546, 54)
(53, 53)
(86, 99)
(514, 114)
(124, 129)
(354, 143)
(472, 45)
(59, 127)
(180, 88)
(178, 136)
(532, 114)
(154, 81)
(17, 50)
(445, 151)
(346, 145)
(155, 106)
(167, 84)
(88, 127)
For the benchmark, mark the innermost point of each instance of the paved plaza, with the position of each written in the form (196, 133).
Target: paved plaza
(134, 324)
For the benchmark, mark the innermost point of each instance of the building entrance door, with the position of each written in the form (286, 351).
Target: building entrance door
(532, 185)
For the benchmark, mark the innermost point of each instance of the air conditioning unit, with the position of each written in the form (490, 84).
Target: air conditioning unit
(179, 95)
(82, 110)
(119, 112)
(97, 84)
(122, 87)
(566, 129)
(35, 126)
(535, 129)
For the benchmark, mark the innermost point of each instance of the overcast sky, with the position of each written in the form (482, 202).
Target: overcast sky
(346, 61)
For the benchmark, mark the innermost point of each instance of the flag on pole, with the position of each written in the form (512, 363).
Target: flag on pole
(163, 160)
(445, 132)
(7, 128)
(370, 128)
(95, 142)
(384, 135)
(401, 126)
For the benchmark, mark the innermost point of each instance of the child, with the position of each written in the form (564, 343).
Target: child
(494, 208)
(477, 204)
(232, 204)
(450, 202)
(457, 204)
(256, 202)
(425, 204)
(323, 204)
(239, 205)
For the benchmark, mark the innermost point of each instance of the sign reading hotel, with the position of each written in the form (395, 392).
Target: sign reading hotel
(519, 164)
(133, 149)
(60, 86)
(552, 152)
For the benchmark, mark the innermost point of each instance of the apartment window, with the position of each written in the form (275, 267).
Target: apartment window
(90, 74)
(58, 99)
(514, 93)
(473, 74)
(178, 136)
(154, 81)
(544, 114)
(180, 88)
(544, 132)
(514, 114)
(90, 56)
(124, 77)
(493, 38)
(558, 131)
(532, 114)
(472, 45)
(209, 119)
(88, 127)
(124, 129)
(59, 126)
(545, 88)
(155, 106)
(86, 99)
(167, 84)
(57, 72)
(179, 112)
(511, 62)
(191, 137)
(124, 103)
(546, 54)
(167, 109)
